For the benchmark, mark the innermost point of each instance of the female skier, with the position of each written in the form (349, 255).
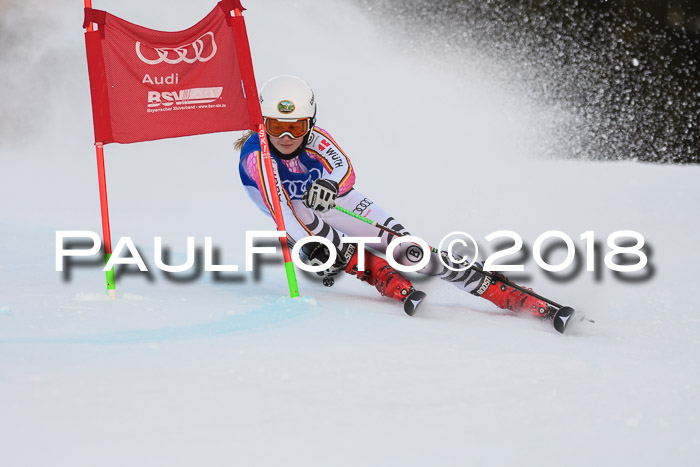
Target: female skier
(314, 175)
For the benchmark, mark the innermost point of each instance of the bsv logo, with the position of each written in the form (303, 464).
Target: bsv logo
(184, 97)
(201, 50)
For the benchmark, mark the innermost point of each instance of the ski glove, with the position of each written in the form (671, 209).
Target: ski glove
(321, 195)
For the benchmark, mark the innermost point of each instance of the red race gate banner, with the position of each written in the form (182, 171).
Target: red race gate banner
(149, 85)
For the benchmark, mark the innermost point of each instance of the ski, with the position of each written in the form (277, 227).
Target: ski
(561, 318)
(565, 315)
(412, 301)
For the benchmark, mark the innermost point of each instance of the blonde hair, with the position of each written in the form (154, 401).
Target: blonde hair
(238, 145)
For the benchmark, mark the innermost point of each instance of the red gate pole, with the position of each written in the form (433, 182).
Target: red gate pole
(270, 174)
(104, 210)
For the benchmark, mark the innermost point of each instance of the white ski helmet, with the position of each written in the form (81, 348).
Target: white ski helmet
(289, 98)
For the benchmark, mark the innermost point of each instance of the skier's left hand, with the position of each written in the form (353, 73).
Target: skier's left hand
(319, 254)
(321, 195)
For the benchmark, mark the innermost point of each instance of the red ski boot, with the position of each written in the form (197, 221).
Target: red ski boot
(508, 298)
(377, 272)
(380, 274)
(388, 281)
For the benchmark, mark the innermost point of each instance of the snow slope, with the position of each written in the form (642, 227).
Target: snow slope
(228, 371)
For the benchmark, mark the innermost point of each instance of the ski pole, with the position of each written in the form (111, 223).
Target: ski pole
(435, 250)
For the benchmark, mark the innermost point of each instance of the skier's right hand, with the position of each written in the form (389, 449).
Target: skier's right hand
(321, 195)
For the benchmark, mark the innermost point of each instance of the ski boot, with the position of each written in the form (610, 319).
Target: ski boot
(387, 281)
(377, 272)
(508, 298)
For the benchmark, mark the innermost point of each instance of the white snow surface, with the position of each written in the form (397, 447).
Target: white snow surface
(233, 372)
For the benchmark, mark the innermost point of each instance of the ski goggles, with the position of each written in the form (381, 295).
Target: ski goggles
(278, 128)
